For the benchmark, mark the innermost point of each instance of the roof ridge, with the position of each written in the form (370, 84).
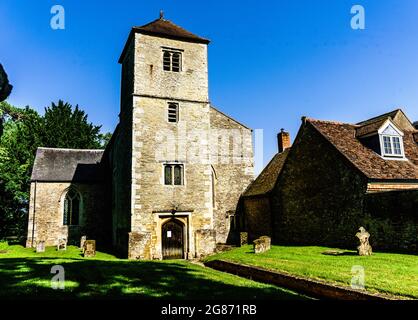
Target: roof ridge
(387, 114)
(330, 121)
(69, 149)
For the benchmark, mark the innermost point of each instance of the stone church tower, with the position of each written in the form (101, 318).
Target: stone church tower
(180, 198)
(176, 166)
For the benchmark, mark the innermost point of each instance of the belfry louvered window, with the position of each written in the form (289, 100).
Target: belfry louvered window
(171, 60)
(173, 112)
(72, 206)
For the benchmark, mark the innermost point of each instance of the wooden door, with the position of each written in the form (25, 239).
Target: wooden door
(173, 240)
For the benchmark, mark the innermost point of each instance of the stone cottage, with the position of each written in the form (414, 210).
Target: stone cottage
(337, 177)
(169, 181)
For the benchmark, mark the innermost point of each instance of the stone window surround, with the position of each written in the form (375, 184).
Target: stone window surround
(62, 203)
(185, 218)
(170, 104)
(184, 182)
(171, 51)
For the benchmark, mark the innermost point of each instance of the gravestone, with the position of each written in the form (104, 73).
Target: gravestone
(262, 244)
(89, 248)
(40, 246)
(82, 241)
(243, 238)
(364, 249)
(62, 244)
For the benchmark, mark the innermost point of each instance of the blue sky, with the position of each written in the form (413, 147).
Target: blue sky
(270, 62)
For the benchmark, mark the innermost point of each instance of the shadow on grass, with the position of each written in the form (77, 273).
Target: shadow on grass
(30, 278)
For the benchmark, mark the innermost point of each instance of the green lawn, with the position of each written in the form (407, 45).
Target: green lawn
(26, 274)
(395, 274)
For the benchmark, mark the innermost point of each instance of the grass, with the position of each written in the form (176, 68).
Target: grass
(27, 274)
(395, 274)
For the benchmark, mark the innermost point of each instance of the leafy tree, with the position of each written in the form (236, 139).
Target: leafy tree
(68, 128)
(17, 149)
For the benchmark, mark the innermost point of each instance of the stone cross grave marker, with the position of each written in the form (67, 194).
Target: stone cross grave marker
(364, 249)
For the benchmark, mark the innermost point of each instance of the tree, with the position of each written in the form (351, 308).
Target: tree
(68, 128)
(5, 86)
(18, 145)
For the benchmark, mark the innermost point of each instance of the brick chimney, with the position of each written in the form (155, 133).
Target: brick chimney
(283, 140)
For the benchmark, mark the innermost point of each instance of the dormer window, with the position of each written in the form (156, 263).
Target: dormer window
(391, 141)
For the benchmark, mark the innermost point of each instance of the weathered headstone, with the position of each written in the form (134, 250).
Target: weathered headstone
(89, 248)
(40, 246)
(82, 241)
(62, 244)
(262, 244)
(243, 238)
(364, 249)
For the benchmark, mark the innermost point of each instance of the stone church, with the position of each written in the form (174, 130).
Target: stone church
(168, 184)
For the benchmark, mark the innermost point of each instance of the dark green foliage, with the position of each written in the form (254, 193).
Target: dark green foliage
(24, 130)
(5, 86)
(65, 127)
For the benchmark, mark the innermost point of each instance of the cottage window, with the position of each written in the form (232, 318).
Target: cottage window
(171, 60)
(173, 174)
(72, 208)
(173, 112)
(391, 142)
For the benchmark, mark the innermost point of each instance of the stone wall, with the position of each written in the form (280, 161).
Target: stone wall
(392, 221)
(46, 214)
(319, 196)
(233, 169)
(257, 217)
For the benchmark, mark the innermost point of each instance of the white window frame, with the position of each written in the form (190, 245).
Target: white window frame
(399, 134)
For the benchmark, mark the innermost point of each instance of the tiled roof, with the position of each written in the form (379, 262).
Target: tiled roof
(166, 28)
(384, 116)
(72, 165)
(343, 137)
(267, 178)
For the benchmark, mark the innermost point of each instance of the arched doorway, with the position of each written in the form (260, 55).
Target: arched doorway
(172, 239)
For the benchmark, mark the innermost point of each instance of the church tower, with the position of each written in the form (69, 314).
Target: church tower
(163, 180)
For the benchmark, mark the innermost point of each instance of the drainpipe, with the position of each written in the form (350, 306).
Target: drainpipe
(34, 210)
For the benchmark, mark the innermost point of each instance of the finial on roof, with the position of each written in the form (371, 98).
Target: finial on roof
(161, 14)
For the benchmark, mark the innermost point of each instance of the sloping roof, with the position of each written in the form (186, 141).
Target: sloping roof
(267, 178)
(165, 29)
(370, 127)
(373, 166)
(75, 165)
(391, 114)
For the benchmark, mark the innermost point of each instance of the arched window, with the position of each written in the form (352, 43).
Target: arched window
(72, 206)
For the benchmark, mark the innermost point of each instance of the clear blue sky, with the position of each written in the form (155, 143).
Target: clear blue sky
(270, 62)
